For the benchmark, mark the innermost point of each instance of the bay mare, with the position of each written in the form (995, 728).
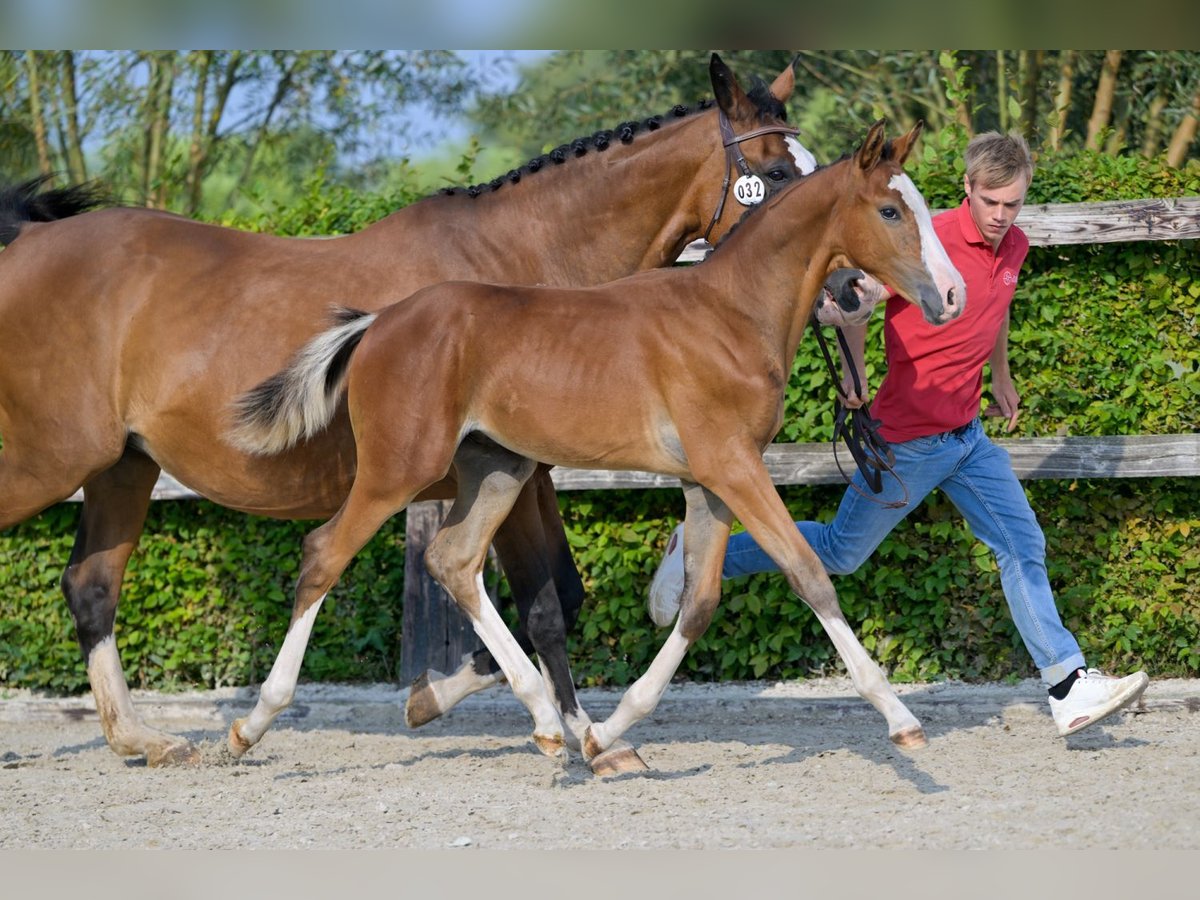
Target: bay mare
(126, 333)
(680, 372)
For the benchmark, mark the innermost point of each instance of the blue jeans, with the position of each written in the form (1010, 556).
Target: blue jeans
(978, 478)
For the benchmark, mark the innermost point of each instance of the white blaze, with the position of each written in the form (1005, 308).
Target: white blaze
(805, 161)
(933, 254)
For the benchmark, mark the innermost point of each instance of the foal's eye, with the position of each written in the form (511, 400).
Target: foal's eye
(890, 213)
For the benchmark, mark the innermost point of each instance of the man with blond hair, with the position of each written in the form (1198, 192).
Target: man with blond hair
(928, 406)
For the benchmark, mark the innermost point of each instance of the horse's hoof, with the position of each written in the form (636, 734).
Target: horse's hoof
(422, 706)
(553, 746)
(911, 738)
(185, 753)
(618, 759)
(238, 745)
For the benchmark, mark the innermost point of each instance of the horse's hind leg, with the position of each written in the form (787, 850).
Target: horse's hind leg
(489, 480)
(114, 510)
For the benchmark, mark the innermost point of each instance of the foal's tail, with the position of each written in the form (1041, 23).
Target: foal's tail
(22, 203)
(300, 401)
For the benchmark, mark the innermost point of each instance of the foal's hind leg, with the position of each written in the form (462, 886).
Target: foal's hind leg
(489, 481)
(327, 552)
(533, 551)
(114, 510)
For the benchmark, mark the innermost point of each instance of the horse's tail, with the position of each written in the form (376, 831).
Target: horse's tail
(22, 203)
(300, 401)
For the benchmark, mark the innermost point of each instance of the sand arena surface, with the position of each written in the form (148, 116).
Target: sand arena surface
(746, 765)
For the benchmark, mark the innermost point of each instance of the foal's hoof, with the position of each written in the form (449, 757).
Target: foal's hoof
(552, 746)
(185, 753)
(619, 759)
(422, 706)
(912, 738)
(238, 745)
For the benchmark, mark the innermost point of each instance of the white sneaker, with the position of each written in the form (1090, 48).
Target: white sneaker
(666, 589)
(1093, 696)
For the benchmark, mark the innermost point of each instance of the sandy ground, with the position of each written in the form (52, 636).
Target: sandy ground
(748, 765)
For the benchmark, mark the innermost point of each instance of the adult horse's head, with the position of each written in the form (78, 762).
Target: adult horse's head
(760, 153)
(888, 231)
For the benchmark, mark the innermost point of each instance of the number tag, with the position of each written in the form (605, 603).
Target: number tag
(749, 190)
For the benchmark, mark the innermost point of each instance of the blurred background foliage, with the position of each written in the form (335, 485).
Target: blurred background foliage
(214, 132)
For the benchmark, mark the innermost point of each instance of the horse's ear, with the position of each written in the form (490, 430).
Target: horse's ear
(730, 96)
(785, 82)
(868, 154)
(902, 146)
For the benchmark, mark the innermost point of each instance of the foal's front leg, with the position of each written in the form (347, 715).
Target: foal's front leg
(705, 534)
(756, 503)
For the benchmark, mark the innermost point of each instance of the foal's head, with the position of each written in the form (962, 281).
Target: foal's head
(887, 230)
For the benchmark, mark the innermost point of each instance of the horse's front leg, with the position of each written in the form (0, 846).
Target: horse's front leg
(706, 532)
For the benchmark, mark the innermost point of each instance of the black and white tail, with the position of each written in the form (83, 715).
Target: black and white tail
(300, 401)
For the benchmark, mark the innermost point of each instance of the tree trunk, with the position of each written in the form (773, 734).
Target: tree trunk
(1030, 67)
(1181, 140)
(282, 88)
(960, 93)
(38, 115)
(1105, 91)
(76, 164)
(1152, 137)
(1002, 90)
(162, 81)
(196, 150)
(1062, 99)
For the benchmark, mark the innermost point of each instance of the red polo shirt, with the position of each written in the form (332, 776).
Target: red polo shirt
(934, 377)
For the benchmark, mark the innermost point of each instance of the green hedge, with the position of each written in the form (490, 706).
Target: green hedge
(1105, 341)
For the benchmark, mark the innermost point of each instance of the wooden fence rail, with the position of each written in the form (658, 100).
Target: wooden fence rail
(435, 635)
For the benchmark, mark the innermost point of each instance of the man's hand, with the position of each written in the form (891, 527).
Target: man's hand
(1008, 401)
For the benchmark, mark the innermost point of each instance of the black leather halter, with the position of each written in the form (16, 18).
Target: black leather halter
(734, 157)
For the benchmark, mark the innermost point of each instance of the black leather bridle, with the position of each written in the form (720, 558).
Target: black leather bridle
(734, 157)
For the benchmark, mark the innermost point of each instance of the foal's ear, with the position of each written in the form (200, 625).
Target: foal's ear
(785, 82)
(730, 96)
(902, 146)
(872, 147)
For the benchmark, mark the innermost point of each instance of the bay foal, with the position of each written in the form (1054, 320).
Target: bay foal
(126, 333)
(680, 372)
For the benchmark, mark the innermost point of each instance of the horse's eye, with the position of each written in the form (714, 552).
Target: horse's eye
(778, 175)
(890, 213)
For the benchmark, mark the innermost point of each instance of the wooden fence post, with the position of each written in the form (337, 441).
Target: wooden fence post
(434, 634)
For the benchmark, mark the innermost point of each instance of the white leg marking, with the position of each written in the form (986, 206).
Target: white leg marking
(279, 688)
(524, 679)
(577, 723)
(643, 695)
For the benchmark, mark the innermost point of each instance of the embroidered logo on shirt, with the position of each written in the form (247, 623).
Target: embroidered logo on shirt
(1010, 277)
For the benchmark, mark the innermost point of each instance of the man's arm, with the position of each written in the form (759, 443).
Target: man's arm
(1008, 402)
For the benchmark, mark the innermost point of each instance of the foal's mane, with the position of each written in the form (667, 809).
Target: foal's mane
(768, 106)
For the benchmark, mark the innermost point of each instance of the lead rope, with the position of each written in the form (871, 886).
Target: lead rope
(870, 449)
